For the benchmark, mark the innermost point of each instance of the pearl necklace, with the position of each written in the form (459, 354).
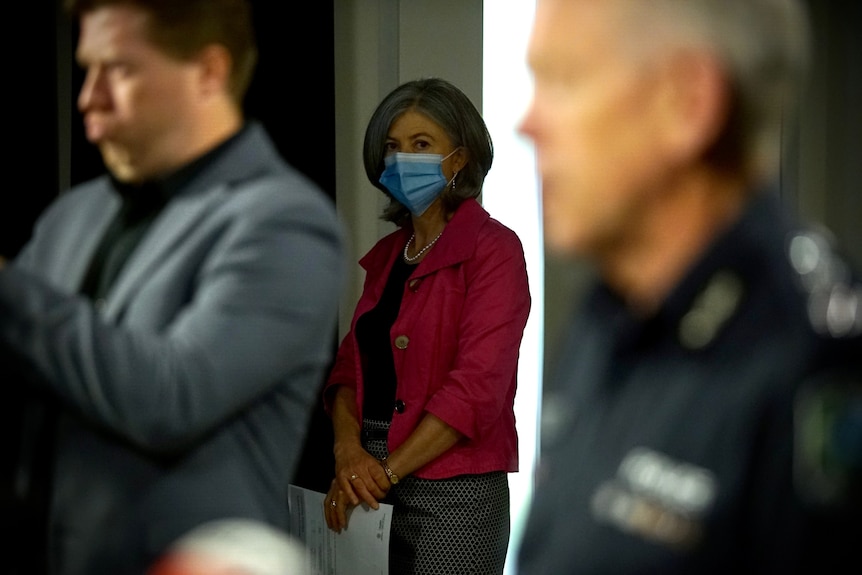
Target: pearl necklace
(410, 260)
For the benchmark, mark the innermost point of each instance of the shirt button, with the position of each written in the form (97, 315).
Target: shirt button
(401, 341)
(399, 406)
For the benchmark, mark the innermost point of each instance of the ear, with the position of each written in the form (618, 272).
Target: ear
(215, 67)
(459, 159)
(695, 102)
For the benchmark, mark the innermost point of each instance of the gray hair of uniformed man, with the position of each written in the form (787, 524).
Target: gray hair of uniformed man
(764, 46)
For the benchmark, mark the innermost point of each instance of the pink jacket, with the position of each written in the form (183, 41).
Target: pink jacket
(455, 342)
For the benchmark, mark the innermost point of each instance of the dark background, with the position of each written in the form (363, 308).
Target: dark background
(293, 94)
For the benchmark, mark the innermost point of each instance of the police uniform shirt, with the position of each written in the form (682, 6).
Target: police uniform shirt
(687, 442)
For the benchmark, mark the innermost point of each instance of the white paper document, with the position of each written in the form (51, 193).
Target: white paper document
(361, 549)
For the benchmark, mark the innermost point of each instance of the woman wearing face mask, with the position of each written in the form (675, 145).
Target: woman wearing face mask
(421, 394)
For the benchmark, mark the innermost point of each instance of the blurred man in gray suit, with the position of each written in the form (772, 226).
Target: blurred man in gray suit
(168, 323)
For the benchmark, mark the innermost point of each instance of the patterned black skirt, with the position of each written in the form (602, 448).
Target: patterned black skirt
(449, 526)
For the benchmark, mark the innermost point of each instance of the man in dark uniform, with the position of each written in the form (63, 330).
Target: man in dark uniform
(706, 414)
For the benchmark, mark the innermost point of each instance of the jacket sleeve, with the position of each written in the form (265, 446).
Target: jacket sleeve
(482, 381)
(343, 371)
(244, 306)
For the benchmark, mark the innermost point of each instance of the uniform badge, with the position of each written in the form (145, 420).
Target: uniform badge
(657, 498)
(711, 309)
(828, 441)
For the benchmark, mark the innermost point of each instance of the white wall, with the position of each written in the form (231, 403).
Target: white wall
(378, 45)
(511, 195)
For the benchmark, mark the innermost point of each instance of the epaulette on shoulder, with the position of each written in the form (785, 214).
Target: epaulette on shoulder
(833, 290)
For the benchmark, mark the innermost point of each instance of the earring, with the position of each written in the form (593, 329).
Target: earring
(453, 181)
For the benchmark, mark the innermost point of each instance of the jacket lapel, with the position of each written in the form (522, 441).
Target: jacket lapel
(251, 156)
(169, 229)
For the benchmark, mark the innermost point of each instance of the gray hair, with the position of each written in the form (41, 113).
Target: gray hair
(765, 48)
(452, 110)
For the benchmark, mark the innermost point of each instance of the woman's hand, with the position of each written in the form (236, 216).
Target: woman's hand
(359, 478)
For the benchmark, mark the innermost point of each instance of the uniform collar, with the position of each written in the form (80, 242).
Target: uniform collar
(709, 295)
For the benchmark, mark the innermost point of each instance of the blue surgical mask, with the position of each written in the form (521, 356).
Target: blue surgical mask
(415, 180)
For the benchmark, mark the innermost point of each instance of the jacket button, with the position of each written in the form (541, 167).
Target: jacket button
(401, 341)
(414, 284)
(399, 406)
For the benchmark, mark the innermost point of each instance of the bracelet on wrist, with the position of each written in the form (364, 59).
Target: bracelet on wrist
(393, 478)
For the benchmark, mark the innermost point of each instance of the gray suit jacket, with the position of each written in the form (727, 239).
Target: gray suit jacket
(185, 395)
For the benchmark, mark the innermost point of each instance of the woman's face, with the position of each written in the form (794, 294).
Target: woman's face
(415, 133)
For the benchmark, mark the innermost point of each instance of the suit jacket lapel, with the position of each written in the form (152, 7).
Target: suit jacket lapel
(250, 156)
(169, 229)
